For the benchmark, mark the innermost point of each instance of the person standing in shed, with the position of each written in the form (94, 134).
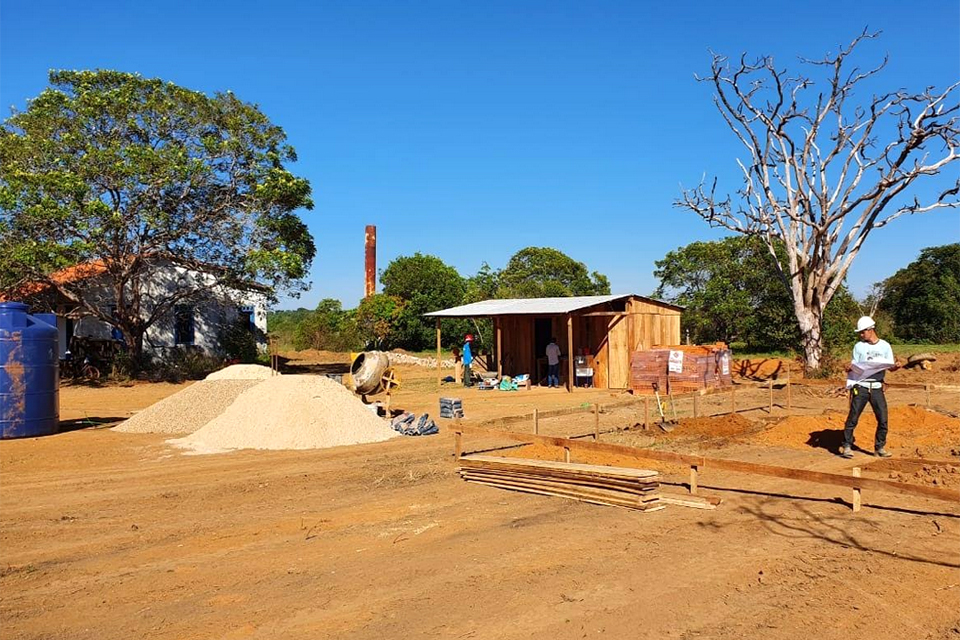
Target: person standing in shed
(553, 364)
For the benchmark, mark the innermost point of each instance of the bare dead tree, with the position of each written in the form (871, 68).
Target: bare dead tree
(817, 176)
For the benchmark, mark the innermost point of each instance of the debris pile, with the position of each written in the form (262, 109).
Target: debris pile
(399, 357)
(290, 412)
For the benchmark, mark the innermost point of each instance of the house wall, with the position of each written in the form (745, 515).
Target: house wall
(219, 308)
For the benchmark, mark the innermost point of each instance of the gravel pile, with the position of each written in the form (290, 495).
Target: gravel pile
(290, 412)
(242, 372)
(189, 409)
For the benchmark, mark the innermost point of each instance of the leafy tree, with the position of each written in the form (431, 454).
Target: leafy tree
(377, 319)
(543, 272)
(424, 283)
(329, 327)
(923, 298)
(135, 174)
(728, 294)
(825, 167)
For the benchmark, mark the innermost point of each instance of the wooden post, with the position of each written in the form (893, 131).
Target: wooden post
(770, 387)
(856, 491)
(694, 472)
(696, 404)
(596, 422)
(499, 350)
(789, 399)
(536, 421)
(438, 353)
(926, 390)
(566, 454)
(570, 378)
(458, 443)
(733, 400)
(646, 413)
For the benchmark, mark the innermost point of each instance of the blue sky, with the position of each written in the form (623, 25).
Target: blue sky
(472, 130)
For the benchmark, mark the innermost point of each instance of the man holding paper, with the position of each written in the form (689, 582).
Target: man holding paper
(872, 358)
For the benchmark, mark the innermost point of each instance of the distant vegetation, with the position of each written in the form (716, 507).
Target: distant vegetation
(726, 286)
(418, 284)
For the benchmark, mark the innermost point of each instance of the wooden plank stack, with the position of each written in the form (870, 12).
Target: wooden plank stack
(703, 368)
(635, 489)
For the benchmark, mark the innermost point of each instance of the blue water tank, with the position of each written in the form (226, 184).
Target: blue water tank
(29, 372)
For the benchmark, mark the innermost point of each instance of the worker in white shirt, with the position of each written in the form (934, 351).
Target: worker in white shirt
(870, 349)
(553, 364)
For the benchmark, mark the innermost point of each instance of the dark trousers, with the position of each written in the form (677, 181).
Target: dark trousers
(467, 379)
(859, 397)
(553, 375)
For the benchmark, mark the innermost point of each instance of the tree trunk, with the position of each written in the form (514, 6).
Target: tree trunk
(810, 334)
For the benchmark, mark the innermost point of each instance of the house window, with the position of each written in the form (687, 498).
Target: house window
(183, 324)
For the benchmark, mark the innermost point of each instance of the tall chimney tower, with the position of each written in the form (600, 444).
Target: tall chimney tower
(370, 264)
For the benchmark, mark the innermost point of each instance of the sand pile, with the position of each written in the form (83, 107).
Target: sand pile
(290, 412)
(908, 427)
(189, 409)
(242, 372)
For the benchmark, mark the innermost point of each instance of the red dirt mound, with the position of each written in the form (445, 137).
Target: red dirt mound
(909, 427)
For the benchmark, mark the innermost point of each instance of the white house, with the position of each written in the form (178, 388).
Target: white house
(196, 323)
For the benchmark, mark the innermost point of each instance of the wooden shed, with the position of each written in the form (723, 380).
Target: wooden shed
(607, 328)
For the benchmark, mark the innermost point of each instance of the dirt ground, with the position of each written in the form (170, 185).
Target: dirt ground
(111, 535)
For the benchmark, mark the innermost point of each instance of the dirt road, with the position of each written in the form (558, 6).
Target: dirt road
(109, 535)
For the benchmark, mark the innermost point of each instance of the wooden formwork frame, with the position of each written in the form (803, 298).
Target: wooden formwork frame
(698, 463)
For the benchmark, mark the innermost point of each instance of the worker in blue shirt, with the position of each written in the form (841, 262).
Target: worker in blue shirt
(869, 350)
(467, 360)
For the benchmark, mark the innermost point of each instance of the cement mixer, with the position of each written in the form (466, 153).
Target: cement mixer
(371, 373)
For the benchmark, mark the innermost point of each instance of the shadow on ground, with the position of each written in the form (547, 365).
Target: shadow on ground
(94, 422)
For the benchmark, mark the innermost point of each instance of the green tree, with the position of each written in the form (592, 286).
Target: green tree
(135, 174)
(329, 328)
(377, 320)
(424, 283)
(923, 298)
(728, 294)
(543, 272)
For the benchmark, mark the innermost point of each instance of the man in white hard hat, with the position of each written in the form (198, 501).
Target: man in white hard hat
(870, 349)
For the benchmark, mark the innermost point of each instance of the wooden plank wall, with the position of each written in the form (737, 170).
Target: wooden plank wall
(611, 339)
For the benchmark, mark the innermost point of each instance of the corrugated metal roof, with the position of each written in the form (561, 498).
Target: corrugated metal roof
(532, 306)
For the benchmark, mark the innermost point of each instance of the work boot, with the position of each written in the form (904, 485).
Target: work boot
(883, 453)
(846, 452)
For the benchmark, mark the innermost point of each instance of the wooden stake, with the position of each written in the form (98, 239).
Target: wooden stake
(770, 387)
(458, 443)
(536, 421)
(499, 350)
(789, 399)
(646, 413)
(566, 454)
(694, 472)
(926, 390)
(856, 491)
(570, 379)
(596, 421)
(438, 353)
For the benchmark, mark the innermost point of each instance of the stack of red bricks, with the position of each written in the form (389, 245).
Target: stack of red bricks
(703, 367)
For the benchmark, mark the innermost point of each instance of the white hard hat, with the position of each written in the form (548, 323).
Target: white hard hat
(864, 323)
